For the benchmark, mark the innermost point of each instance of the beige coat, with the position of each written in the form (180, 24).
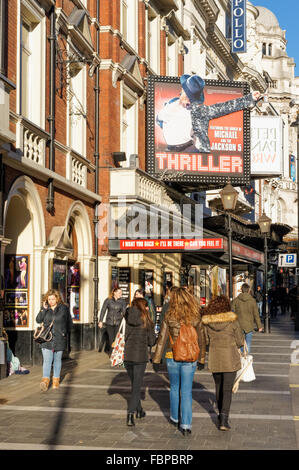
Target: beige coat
(224, 336)
(246, 310)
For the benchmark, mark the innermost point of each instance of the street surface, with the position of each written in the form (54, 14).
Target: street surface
(89, 409)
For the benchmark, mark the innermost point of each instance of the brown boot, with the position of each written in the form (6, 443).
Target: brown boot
(44, 385)
(55, 383)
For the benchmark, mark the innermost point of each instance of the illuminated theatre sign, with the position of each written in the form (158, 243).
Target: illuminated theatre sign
(198, 130)
(179, 244)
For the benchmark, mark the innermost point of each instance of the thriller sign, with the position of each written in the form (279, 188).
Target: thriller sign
(198, 130)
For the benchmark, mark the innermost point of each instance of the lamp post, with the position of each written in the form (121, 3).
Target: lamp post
(264, 223)
(229, 197)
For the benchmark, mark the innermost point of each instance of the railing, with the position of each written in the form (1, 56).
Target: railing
(31, 139)
(76, 170)
(33, 146)
(136, 184)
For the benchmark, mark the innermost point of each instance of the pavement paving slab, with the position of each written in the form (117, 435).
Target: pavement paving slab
(88, 412)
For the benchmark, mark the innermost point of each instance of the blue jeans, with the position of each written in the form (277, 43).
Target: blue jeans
(50, 356)
(248, 339)
(260, 308)
(181, 378)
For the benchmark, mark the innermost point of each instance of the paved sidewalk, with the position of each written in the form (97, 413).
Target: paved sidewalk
(89, 409)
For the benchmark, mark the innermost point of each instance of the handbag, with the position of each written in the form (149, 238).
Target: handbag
(246, 373)
(43, 334)
(117, 355)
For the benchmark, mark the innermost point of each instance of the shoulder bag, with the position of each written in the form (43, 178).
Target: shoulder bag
(117, 355)
(43, 334)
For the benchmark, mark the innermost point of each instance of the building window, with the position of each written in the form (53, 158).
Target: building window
(264, 48)
(129, 22)
(270, 49)
(172, 57)
(153, 41)
(77, 108)
(129, 134)
(32, 68)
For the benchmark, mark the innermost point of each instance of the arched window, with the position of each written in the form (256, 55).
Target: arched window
(270, 49)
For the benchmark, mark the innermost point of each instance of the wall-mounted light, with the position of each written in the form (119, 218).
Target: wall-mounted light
(119, 157)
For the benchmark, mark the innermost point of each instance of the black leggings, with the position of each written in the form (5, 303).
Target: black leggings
(112, 332)
(224, 382)
(136, 374)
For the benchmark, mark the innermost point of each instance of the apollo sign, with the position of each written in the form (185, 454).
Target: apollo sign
(238, 26)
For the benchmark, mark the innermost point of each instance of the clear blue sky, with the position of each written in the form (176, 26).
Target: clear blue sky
(287, 14)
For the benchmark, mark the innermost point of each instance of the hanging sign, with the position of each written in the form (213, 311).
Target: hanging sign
(201, 136)
(172, 244)
(238, 26)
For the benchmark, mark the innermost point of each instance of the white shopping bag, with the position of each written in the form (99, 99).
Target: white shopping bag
(246, 373)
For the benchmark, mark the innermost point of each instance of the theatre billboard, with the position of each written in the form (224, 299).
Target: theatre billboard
(198, 130)
(266, 146)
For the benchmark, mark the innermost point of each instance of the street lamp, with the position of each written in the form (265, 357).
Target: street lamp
(229, 197)
(264, 223)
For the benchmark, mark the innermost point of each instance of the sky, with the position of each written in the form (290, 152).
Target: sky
(287, 14)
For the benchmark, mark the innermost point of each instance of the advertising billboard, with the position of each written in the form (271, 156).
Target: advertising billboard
(198, 131)
(266, 145)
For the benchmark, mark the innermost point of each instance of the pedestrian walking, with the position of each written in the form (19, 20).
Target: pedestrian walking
(259, 297)
(139, 336)
(282, 299)
(224, 336)
(287, 300)
(183, 309)
(112, 312)
(139, 293)
(273, 301)
(246, 310)
(54, 309)
(294, 301)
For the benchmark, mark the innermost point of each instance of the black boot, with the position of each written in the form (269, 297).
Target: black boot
(223, 422)
(186, 432)
(140, 413)
(130, 419)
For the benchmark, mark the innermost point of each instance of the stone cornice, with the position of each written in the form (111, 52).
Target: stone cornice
(255, 78)
(17, 161)
(220, 43)
(209, 8)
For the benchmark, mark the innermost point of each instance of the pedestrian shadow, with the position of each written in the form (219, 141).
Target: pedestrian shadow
(206, 400)
(68, 369)
(121, 385)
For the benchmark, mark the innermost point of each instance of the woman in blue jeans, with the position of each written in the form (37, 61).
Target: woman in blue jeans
(54, 309)
(183, 309)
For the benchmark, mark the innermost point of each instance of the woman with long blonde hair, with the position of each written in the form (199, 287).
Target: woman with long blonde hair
(54, 309)
(139, 336)
(183, 310)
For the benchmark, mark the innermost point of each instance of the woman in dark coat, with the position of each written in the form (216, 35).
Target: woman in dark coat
(224, 336)
(111, 315)
(139, 334)
(54, 309)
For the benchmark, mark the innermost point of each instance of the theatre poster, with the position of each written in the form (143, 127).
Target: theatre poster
(227, 154)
